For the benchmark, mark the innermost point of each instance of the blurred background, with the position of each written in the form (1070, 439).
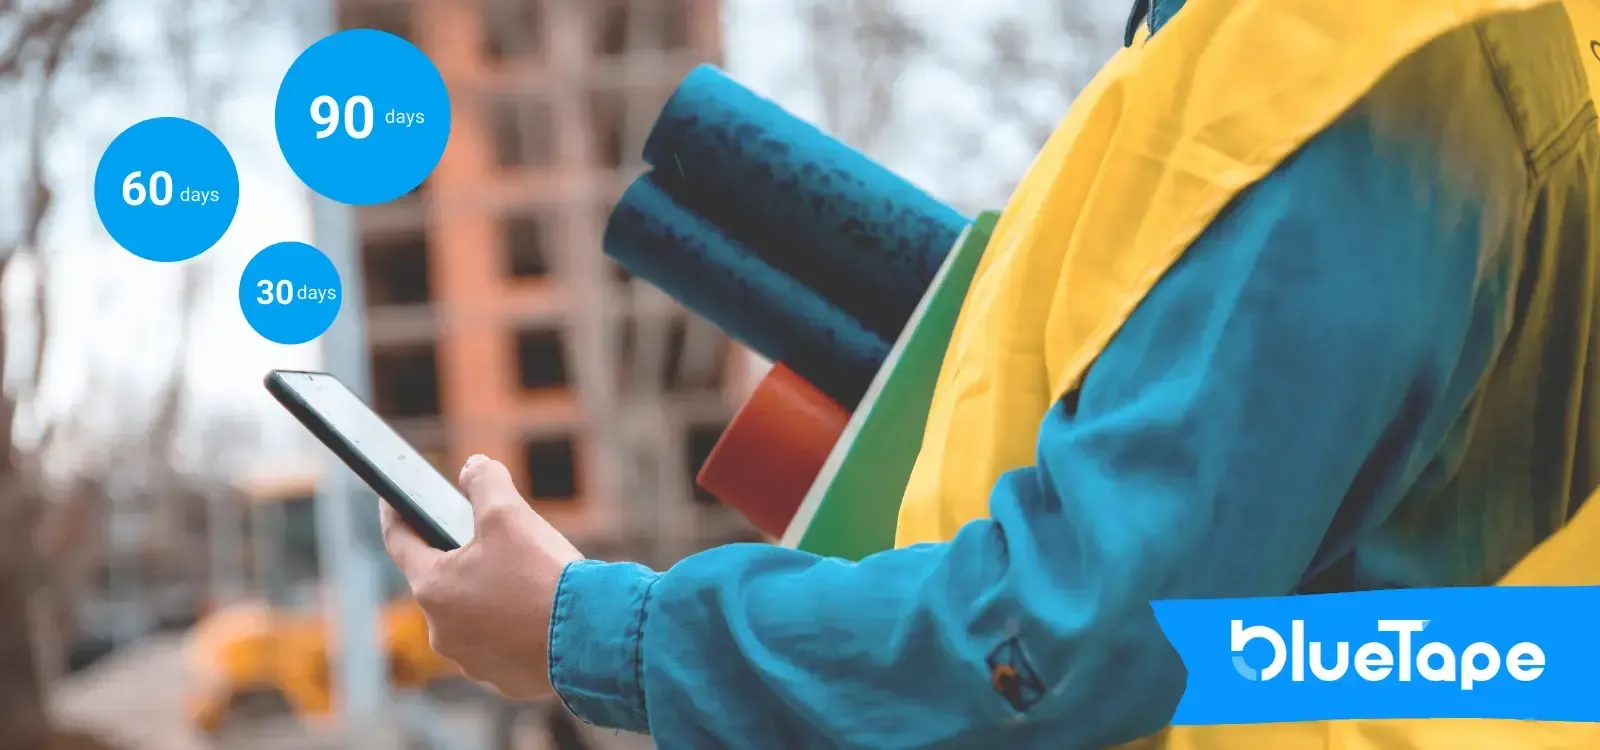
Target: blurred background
(178, 555)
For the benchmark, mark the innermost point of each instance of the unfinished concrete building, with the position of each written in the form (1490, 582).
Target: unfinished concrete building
(495, 323)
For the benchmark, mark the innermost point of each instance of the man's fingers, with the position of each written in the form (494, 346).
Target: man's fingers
(488, 485)
(413, 556)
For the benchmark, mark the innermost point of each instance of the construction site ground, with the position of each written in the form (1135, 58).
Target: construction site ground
(135, 698)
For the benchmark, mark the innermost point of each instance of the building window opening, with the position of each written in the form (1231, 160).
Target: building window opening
(521, 131)
(527, 246)
(541, 359)
(677, 25)
(513, 29)
(394, 18)
(696, 353)
(552, 469)
(421, 189)
(672, 366)
(701, 440)
(618, 273)
(395, 269)
(608, 127)
(405, 381)
(611, 21)
(627, 344)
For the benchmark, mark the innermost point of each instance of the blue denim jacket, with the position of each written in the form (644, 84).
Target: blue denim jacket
(1278, 359)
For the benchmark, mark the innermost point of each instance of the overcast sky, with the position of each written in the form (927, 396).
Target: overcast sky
(114, 314)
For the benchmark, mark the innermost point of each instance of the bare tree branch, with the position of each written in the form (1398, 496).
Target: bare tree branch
(47, 29)
(37, 50)
(162, 435)
(46, 34)
(860, 49)
(199, 101)
(1033, 59)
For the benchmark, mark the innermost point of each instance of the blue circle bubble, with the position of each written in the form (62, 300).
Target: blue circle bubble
(290, 293)
(362, 117)
(166, 189)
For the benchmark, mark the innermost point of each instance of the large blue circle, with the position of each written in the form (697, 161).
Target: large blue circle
(290, 293)
(166, 189)
(356, 160)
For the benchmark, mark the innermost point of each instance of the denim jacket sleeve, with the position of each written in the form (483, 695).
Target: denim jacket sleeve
(1296, 348)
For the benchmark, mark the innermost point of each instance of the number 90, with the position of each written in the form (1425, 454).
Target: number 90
(325, 112)
(281, 292)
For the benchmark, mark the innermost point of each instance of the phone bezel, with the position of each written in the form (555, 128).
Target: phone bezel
(419, 519)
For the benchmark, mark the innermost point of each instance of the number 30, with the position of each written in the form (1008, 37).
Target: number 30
(282, 292)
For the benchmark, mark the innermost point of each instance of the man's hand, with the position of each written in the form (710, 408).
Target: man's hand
(488, 603)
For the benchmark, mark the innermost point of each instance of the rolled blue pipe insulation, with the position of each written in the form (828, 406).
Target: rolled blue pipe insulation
(859, 235)
(726, 282)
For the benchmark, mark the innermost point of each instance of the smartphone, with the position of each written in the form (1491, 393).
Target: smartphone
(425, 498)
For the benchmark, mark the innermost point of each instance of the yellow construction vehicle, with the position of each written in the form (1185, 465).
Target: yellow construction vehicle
(270, 654)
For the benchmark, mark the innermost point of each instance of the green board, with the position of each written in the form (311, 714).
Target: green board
(854, 503)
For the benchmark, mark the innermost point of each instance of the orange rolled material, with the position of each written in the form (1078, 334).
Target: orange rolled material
(773, 449)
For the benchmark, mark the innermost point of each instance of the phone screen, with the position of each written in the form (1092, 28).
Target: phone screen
(388, 453)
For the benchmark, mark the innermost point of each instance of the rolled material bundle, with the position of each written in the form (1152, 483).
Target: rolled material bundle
(796, 245)
(858, 235)
(773, 450)
(726, 282)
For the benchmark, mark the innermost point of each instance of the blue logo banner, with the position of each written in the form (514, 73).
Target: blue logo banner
(1488, 653)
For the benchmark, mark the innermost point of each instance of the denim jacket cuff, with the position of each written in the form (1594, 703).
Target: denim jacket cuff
(596, 641)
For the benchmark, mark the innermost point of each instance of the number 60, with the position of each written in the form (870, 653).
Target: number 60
(134, 193)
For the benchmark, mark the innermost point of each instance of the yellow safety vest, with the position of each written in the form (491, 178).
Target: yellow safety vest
(1116, 196)
(1585, 16)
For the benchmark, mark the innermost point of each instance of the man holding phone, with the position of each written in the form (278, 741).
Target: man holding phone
(1346, 286)
(505, 575)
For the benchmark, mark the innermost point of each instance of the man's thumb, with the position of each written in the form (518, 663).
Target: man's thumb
(488, 485)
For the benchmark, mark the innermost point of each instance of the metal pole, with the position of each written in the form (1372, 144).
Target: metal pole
(503, 715)
(224, 528)
(127, 620)
(360, 674)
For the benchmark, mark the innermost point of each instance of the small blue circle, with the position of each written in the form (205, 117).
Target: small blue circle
(362, 117)
(290, 293)
(166, 189)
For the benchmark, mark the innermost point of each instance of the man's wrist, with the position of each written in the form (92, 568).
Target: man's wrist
(596, 642)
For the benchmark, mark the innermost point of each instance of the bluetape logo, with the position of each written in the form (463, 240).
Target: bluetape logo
(1376, 661)
(1489, 653)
